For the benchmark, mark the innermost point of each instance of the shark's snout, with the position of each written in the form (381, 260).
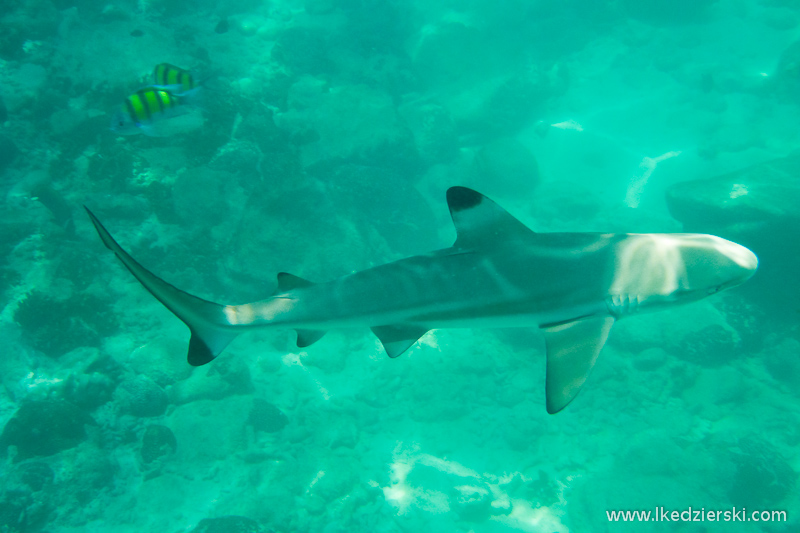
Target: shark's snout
(743, 257)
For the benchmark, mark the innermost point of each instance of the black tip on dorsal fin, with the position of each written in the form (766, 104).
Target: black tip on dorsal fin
(287, 282)
(479, 221)
(461, 198)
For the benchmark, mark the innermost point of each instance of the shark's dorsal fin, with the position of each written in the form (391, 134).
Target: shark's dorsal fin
(307, 337)
(398, 339)
(479, 221)
(572, 350)
(287, 282)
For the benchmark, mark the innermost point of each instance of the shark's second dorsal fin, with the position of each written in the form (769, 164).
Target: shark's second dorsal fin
(287, 282)
(479, 221)
(398, 339)
(572, 350)
(307, 337)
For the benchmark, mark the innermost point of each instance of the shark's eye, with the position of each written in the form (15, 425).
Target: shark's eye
(713, 290)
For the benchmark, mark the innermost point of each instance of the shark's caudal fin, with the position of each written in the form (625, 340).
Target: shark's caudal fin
(211, 330)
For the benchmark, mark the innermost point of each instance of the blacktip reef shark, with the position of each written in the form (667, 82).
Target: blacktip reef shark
(498, 273)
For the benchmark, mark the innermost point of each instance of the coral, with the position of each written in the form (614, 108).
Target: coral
(142, 397)
(12, 511)
(35, 474)
(303, 50)
(434, 131)
(8, 150)
(713, 345)
(668, 12)
(201, 196)
(506, 164)
(44, 428)
(762, 477)
(266, 417)
(157, 442)
(227, 524)
(88, 473)
(55, 327)
(783, 363)
(89, 390)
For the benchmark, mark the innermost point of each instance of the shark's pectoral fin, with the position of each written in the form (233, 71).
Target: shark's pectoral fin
(572, 350)
(398, 339)
(307, 337)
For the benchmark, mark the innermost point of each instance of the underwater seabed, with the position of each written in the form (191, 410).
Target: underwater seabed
(452, 436)
(332, 130)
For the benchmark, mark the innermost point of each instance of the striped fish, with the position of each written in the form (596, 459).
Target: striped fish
(170, 76)
(154, 111)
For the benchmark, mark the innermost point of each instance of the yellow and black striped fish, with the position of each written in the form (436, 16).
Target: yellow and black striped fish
(148, 110)
(167, 75)
(146, 103)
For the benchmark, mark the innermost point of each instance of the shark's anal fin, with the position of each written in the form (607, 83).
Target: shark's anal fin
(572, 349)
(307, 337)
(398, 339)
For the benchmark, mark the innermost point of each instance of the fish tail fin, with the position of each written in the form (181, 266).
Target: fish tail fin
(194, 98)
(211, 330)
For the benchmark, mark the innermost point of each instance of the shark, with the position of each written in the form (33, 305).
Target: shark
(497, 273)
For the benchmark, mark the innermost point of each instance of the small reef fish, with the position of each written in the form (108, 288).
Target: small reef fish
(176, 78)
(157, 112)
(169, 106)
(498, 273)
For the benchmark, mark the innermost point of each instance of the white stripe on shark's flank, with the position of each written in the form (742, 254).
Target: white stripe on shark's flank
(498, 273)
(648, 264)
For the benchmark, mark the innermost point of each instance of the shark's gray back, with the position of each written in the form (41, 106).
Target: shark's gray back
(530, 280)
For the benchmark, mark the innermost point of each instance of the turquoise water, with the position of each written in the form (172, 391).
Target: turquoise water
(329, 133)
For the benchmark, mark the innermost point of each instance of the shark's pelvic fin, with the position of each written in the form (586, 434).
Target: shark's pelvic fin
(479, 221)
(211, 330)
(307, 337)
(398, 339)
(572, 350)
(287, 282)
